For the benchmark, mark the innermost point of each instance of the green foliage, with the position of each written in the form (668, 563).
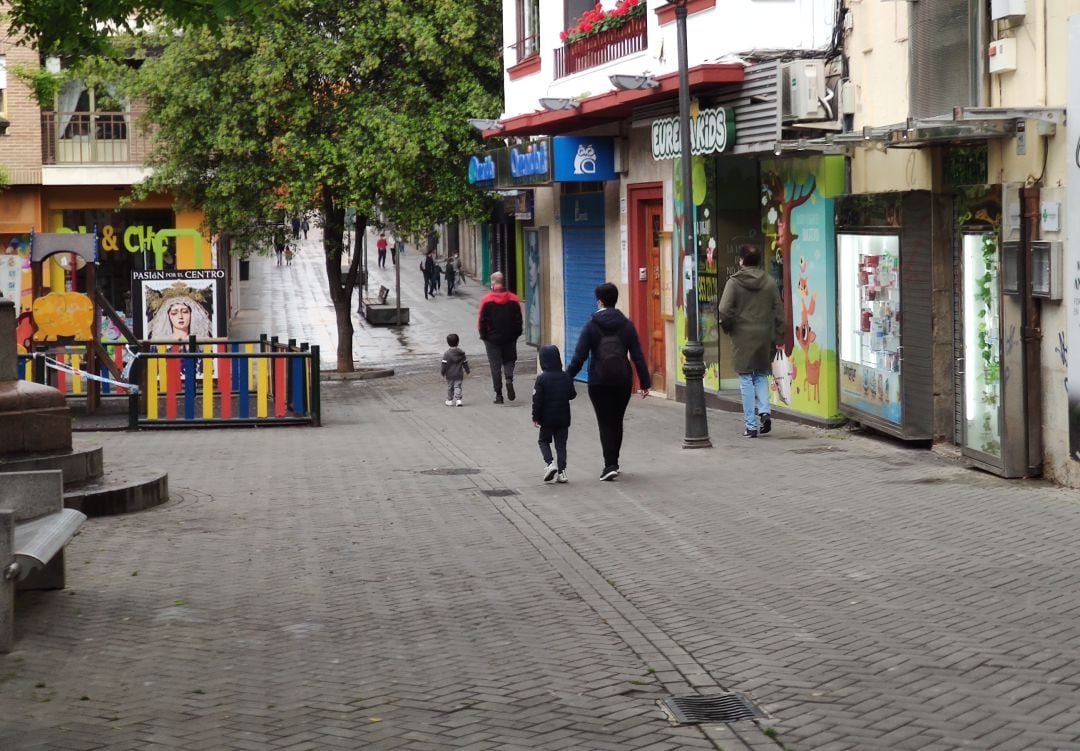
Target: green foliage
(326, 106)
(43, 85)
(65, 27)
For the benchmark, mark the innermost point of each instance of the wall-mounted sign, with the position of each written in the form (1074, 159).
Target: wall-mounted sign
(580, 160)
(530, 161)
(482, 169)
(712, 131)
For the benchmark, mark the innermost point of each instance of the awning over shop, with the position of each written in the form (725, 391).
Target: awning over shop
(615, 105)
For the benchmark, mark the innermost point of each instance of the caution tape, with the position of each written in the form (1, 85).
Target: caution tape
(64, 368)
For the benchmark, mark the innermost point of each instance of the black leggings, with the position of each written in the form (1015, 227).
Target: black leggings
(609, 403)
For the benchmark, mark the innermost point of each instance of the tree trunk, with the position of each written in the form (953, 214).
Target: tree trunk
(340, 289)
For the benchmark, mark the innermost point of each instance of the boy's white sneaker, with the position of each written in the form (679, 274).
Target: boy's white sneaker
(458, 403)
(449, 403)
(561, 477)
(550, 471)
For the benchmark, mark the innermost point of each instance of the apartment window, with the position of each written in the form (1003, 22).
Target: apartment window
(83, 111)
(3, 87)
(528, 29)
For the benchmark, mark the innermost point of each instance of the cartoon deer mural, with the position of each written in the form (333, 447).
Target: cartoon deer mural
(806, 336)
(776, 185)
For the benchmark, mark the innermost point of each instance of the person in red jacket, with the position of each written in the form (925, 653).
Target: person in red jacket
(500, 327)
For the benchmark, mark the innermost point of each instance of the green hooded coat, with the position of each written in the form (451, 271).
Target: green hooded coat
(752, 314)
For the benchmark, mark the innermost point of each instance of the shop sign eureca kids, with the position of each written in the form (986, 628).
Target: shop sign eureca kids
(712, 131)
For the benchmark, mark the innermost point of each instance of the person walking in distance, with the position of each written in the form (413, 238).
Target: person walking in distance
(430, 270)
(752, 314)
(394, 251)
(380, 246)
(606, 340)
(499, 323)
(454, 367)
(551, 411)
(451, 276)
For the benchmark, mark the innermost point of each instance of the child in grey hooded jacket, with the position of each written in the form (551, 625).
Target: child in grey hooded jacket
(454, 367)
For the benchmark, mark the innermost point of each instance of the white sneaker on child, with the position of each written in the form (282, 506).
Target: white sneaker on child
(458, 402)
(449, 403)
(561, 477)
(550, 471)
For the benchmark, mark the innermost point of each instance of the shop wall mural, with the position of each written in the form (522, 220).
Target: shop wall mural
(800, 244)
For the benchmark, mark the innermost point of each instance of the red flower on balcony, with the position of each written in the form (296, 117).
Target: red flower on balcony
(597, 20)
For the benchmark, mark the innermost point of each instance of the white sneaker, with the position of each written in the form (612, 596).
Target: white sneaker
(449, 403)
(561, 477)
(457, 403)
(550, 471)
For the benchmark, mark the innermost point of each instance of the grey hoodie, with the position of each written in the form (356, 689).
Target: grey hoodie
(454, 364)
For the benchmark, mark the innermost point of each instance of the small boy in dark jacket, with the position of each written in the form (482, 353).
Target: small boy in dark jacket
(454, 367)
(551, 411)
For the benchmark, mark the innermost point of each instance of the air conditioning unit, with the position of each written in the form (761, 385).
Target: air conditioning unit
(804, 91)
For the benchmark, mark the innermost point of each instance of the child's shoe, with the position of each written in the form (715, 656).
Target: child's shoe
(449, 402)
(550, 471)
(457, 403)
(561, 477)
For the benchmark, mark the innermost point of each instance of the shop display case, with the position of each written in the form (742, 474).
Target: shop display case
(885, 330)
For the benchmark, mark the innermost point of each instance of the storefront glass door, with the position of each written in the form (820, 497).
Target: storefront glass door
(982, 344)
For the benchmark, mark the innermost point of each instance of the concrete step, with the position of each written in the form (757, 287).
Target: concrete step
(118, 492)
(78, 465)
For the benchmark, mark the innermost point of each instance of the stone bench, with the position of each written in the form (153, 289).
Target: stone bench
(34, 528)
(378, 312)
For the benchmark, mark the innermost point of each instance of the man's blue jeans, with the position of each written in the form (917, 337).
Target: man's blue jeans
(754, 387)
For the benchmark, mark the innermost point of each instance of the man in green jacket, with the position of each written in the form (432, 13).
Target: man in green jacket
(752, 314)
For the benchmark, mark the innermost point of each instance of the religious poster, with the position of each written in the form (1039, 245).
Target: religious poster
(175, 305)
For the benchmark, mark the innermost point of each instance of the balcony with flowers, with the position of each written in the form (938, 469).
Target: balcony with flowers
(600, 36)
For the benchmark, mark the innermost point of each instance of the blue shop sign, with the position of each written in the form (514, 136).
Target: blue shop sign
(482, 169)
(529, 162)
(584, 159)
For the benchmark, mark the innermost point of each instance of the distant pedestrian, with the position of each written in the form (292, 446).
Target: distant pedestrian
(289, 253)
(451, 277)
(551, 397)
(394, 250)
(751, 312)
(606, 340)
(280, 251)
(380, 246)
(436, 275)
(304, 226)
(499, 324)
(455, 365)
(431, 271)
(296, 227)
(459, 277)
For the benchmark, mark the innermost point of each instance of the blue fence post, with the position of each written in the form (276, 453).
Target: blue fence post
(189, 388)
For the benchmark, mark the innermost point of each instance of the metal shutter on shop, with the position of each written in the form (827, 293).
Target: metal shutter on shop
(583, 270)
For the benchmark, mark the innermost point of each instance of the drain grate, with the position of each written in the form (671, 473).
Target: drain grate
(817, 450)
(450, 471)
(499, 492)
(693, 710)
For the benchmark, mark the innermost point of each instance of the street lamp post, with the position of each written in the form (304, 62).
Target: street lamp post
(697, 423)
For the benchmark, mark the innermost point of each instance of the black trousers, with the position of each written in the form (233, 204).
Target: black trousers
(382, 258)
(501, 359)
(559, 436)
(609, 403)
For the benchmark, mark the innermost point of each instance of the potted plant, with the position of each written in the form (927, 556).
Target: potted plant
(597, 21)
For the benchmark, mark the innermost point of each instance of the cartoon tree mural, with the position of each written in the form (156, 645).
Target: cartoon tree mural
(777, 199)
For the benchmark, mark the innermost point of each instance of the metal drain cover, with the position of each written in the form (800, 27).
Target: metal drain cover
(450, 471)
(695, 710)
(499, 492)
(817, 450)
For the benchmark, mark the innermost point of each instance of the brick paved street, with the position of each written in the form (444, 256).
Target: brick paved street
(401, 579)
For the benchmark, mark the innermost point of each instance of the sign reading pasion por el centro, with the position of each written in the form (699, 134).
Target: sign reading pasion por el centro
(712, 131)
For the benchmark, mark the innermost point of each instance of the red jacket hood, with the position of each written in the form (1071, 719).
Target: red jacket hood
(500, 297)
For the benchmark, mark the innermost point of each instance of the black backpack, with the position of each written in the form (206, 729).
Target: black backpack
(612, 366)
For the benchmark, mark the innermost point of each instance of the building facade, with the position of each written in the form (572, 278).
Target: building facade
(904, 166)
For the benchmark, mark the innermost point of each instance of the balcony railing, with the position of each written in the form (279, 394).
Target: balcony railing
(603, 48)
(91, 138)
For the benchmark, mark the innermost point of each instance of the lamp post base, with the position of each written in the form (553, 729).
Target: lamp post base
(697, 423)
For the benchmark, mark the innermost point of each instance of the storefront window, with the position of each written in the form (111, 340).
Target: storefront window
(870, 322)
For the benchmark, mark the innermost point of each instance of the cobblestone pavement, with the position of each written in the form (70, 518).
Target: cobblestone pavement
(402, 579)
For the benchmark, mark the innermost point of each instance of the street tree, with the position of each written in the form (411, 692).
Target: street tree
(331, 105)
